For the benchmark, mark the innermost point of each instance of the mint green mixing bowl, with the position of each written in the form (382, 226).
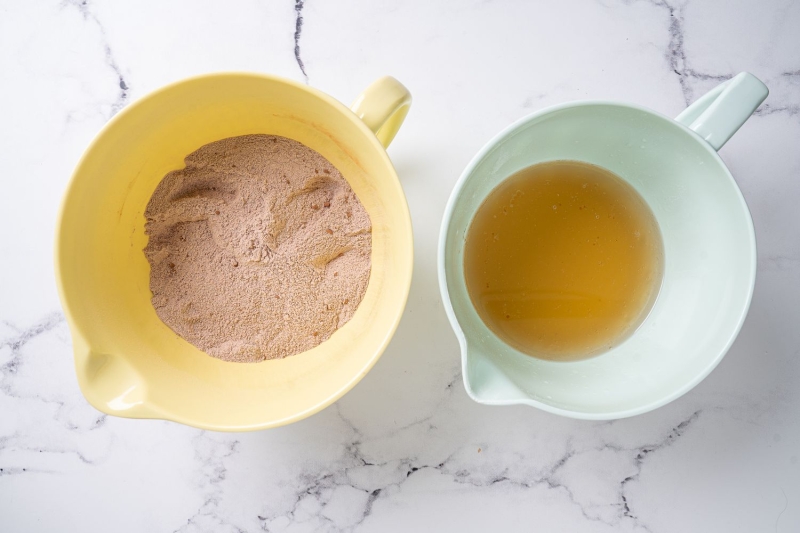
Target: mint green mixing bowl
(709, 247)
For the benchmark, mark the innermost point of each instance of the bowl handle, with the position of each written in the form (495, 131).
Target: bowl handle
(719, 113)
(382, 107)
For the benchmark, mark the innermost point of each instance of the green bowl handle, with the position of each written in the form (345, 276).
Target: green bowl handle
(719, 113)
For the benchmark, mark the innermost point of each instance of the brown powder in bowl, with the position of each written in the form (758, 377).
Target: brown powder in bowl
(259, 249)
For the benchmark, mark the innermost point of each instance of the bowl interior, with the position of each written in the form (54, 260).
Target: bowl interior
(709, 263)
(128, 362)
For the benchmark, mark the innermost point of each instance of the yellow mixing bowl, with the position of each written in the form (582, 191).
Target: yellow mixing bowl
(128, 362)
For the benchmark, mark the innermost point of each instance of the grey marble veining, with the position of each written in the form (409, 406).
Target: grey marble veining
(298, 29)
(406, 449)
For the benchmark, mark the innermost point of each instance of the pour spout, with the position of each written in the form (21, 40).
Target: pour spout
(113, 386)
(485, 380)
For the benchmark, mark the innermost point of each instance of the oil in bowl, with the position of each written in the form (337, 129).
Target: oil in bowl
(563, 260)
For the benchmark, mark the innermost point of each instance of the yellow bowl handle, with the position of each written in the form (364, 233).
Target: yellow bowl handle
(383, 106)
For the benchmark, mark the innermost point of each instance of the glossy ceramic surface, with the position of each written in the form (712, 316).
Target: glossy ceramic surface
(128, 362)
(709, 242)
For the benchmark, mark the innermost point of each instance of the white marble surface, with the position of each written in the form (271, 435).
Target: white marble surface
(406, 450)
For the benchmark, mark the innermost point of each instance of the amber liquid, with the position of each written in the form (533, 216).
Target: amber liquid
(563, 260)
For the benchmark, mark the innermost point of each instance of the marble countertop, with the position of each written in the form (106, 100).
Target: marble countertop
(406, 450)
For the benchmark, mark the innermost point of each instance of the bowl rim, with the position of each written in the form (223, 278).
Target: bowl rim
(407, 263)
(507, 132)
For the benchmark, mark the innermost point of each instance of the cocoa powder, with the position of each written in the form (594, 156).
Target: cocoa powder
(258, 248)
